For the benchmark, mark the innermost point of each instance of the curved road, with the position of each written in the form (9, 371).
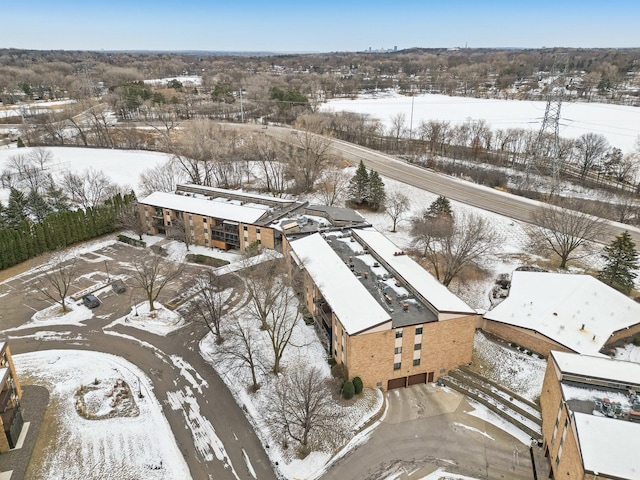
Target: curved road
(512, 206)
(213, 398)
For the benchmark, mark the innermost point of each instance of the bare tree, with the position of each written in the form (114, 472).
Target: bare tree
(210, 305)
(396, 205)
(163, 177)
(153, 273)
(590, 151)
(57, 280)
(264, 286)
(301, 406)
(397, 128)
(242, 346)
(333, 186)
(308, 160)
(451, 247)
(89, 188)
(130, 219)
(180, 230)
(566, 232)
(281, 321)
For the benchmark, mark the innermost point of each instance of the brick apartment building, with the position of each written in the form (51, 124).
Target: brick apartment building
(380, 313)
(591, 417)
(10, 395)
(228, 219)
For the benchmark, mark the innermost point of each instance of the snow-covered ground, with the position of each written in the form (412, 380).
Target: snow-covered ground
(123, 167)
(118, 447)
(620, 124)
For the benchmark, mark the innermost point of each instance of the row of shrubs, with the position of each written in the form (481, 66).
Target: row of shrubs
(132, 241)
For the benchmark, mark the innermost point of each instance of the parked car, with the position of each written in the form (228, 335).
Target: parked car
(90, 301)
(119, 286)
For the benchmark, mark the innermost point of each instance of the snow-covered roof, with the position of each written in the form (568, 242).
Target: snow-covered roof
(417, 277)
(356, 309)
(609, 446)
(235, 193)
(618, 371)
(208, 208)
(557, 305)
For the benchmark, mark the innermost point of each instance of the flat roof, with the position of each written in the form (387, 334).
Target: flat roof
(557, 305)
(208, 208)
(236, 193)
(356, 309)
(606, 368)
(415, 275)
(337, 214)
(608, 446)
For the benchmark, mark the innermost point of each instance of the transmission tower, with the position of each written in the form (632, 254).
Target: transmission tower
(546, 147)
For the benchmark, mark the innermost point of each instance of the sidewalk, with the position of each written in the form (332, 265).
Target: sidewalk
(34, 403)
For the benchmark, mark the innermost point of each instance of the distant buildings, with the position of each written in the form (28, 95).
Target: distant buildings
(10, 395)
(590, 413)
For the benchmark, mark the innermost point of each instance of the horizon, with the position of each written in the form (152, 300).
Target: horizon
(286, 27)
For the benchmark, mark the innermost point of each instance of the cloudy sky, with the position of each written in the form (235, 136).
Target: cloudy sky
(318, 26)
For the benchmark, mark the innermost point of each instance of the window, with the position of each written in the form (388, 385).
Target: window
(417, 346)
(259, 242)
(206, 231)
(419, 331)
(245, 228)
(398, 333)
(397, 366)
(204, 220)
(257, 229)
(416, 362)
(190, 217)
(397, 350)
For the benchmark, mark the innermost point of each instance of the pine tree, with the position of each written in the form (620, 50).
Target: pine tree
(358, 189)
(440, 206)
(621, 260)
(16, 210)
(56, 197)
(377, 195)
(37, 206)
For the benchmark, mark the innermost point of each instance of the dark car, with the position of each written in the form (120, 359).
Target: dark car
(90, 301)
(119, 286)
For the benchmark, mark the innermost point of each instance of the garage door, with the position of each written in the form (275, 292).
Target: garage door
(397, 383)
(419, 378)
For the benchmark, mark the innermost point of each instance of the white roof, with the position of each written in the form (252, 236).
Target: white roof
(422, 281)
(598, 367)
(356, 309)
(208, 208)
(248, 196)
(609, 446)
(557, 305)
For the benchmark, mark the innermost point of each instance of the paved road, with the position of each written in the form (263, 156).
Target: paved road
(426, 428)
(489, 199)
(215, 401)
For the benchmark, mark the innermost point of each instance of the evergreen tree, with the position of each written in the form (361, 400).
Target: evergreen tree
(16, 210)
(440, 206)
(37, 206)
(358, 189)
(621, 259)
(56, 197)
(377, 195)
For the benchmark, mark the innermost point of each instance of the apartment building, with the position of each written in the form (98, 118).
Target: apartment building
(591, 417)
(380, 313)
(10, 395)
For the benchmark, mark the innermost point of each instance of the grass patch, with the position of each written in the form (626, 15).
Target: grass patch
(205, 260)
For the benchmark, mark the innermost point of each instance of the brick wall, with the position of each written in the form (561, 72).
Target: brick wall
(529, 339)
(444, 346)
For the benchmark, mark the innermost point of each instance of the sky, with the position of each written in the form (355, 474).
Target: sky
(314, 26)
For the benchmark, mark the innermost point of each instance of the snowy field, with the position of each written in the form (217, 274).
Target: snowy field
(119, 445)
(121, 166)
(620, 124)
(184, 79)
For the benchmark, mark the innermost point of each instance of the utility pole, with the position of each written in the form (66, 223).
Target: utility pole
(241, 106)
